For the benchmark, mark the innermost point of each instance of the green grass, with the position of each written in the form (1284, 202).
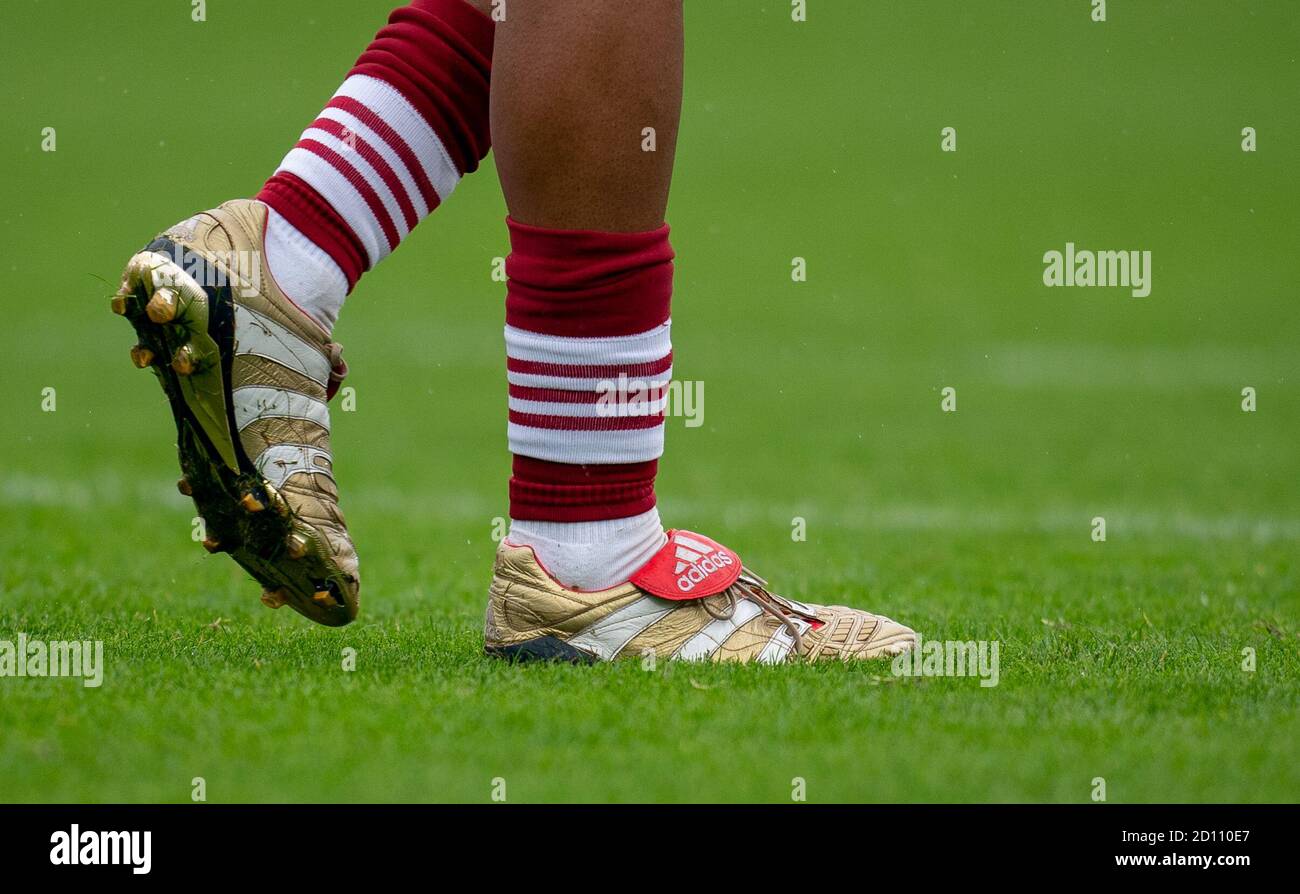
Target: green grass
(1120, 659)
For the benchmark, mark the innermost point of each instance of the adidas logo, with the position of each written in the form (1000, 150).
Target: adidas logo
(696, 561)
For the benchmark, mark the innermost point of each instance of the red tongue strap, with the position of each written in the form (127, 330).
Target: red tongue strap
(689, 566)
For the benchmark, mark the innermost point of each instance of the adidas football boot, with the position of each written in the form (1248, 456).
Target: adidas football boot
(693, 601)
(247, 375)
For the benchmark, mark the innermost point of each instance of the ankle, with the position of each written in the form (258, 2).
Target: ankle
(303, 271)
(592, 555)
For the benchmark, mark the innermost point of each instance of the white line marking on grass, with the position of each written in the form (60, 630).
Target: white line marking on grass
(109, 490)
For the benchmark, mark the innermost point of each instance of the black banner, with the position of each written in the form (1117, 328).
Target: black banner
(510, 844)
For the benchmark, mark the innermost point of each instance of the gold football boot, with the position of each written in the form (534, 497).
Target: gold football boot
(694, 601)
(247, 375)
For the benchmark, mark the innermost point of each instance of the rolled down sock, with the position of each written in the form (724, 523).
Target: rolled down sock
(588, 361)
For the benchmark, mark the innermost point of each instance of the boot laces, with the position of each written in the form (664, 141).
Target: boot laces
(752, 587)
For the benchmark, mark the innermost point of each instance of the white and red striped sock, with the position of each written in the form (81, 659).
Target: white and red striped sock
(588, 361)
(410, 119)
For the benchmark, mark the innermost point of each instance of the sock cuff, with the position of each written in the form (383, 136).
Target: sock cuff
(541, 490)
(586, 283)
(584, 309)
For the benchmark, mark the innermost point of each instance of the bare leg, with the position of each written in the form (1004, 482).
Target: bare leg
(574, 83)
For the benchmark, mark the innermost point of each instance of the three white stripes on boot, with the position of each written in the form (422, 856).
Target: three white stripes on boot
(607, 637)
(260, 336)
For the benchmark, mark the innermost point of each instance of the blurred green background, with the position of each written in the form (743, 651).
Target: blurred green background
(818, 140)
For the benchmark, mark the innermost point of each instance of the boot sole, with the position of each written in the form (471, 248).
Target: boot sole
(186, 337)
(543, 648)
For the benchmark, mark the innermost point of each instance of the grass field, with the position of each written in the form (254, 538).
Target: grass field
(1119, 659)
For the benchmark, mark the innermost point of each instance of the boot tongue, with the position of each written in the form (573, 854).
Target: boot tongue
(688, 566)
